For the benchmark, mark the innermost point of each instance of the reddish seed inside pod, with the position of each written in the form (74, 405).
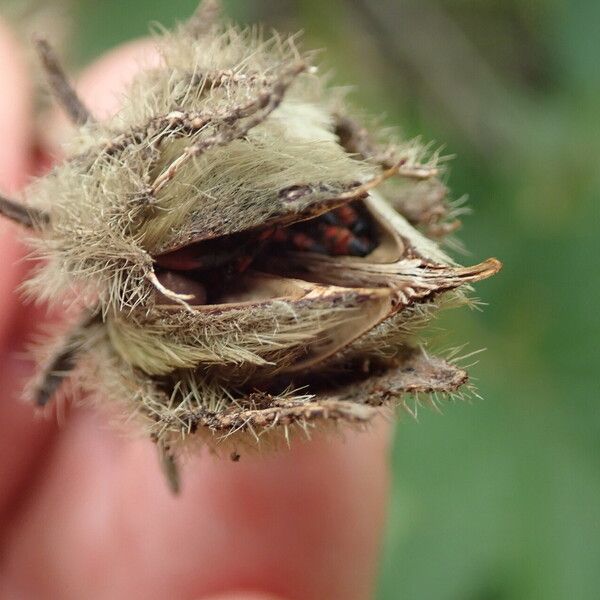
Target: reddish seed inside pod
(345, 231)
(205, 267)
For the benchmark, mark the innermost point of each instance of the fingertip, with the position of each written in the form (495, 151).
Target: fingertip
(298, 523)
(305, 521)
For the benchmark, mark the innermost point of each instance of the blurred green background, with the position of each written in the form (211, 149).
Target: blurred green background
(498, 499)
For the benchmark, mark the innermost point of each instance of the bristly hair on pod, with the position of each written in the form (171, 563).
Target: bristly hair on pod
(249, 259)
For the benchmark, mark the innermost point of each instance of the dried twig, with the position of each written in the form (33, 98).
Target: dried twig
(169, 467)
(63, 91)
(57, 372)
(62, 363)
(203, 19)
(28, 217)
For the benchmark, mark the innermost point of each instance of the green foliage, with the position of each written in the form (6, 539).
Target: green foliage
(500, 499)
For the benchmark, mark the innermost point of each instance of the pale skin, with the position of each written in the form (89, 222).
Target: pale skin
(84, 510)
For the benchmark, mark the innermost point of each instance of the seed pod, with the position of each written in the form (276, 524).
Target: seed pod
(240, 272)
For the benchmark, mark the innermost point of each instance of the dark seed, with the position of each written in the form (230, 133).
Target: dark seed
(358, 247)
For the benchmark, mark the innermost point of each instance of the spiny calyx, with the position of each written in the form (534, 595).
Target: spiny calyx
(250, 258)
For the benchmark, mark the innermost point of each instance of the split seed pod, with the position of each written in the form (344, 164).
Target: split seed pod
(249, 260)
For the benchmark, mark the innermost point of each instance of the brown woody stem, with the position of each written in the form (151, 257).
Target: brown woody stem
(59, 84)
(27, 217)
(169, 467)
(57, 372)
(61, 365)
(205, 16)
